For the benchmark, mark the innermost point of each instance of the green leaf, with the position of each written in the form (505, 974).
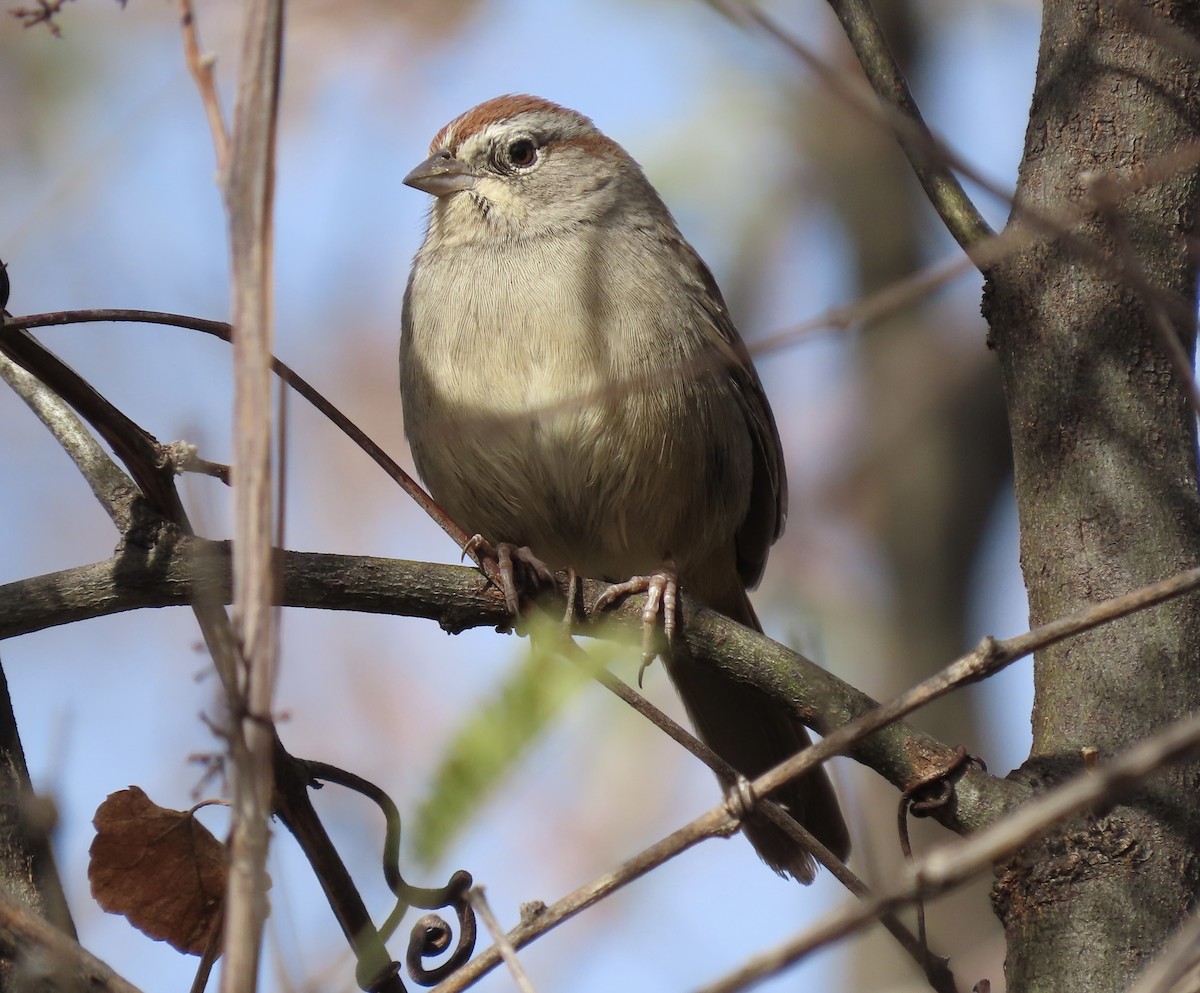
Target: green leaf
(490, 744)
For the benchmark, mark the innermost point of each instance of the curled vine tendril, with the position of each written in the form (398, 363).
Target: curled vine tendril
(432, 934)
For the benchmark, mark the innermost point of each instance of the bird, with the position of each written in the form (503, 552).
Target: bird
(574, 392)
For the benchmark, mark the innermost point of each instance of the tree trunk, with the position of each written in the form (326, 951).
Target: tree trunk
(27, 870)
(1104, 447)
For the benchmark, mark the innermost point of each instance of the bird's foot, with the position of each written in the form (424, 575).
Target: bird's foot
(662, 594)
(518, 568)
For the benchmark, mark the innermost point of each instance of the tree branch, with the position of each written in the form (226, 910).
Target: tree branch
(112, 487)
(192, 570)
(895, 108)
(27, 938)
(955, 863)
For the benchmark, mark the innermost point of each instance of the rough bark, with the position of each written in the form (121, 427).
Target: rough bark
(1104, 449)
(27, 870)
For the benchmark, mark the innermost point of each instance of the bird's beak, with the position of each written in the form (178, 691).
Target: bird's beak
(440, 175)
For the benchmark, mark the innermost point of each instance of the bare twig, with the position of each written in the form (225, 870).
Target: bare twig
(249, 193)
(936, 969)
(956, 863)
(136, 448)
(44, 13)
(933, 161)
(1030, 226)
(988, 658)
(720, 822)
(112, 487)
(222, 330)
(201, 67)
(894, 108)
(929, 161)
(507, 952)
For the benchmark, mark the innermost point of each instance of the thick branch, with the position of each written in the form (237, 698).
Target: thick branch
(194, 570)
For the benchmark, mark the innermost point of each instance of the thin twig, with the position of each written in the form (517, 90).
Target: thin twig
(1028, 228)
(957, 862)
(112, 487)
(929, 161)
(201, 67)
(988, 658)
(711, 824)
(44, 13)
(932, 160)
(136, 448)
(935, 968)
(890, 105)
(220, 329)
(249, 197)
(479, 901)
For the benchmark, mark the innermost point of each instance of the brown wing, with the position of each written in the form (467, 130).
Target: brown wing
(767, 510)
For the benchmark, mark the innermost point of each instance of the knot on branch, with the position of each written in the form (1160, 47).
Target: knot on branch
(935, 790)
(741, 799)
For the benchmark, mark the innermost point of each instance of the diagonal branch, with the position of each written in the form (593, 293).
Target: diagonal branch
(956, 863)
(924, 152)
(457, 597)
(112, 487)
(894, 109)
(60, 961)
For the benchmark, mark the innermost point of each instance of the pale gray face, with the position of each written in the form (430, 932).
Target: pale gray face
(522, 166)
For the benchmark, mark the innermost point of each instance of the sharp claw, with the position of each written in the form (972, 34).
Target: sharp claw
(662, 595)
(605, 599)
(473, 547)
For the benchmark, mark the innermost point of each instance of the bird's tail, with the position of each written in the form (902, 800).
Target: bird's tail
(753, 732)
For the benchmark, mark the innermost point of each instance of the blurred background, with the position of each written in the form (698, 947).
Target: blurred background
(901, 548)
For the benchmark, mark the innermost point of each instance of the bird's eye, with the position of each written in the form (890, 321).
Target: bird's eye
(522, 153)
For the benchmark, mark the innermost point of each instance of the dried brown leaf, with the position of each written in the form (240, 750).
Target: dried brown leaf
(161, 869)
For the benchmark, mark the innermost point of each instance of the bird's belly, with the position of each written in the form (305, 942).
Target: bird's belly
(540, 443)
(558, 482)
